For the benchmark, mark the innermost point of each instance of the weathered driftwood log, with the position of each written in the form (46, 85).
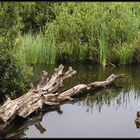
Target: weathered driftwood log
(45, 92)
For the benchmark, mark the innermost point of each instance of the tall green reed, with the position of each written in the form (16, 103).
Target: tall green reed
(103, 44)
(124, 53)
(38, 49)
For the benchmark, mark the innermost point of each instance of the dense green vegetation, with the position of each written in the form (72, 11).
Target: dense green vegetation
(68, 32)
(99, 32)
(14, 71)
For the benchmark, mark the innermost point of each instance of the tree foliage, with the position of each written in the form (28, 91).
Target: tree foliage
(13, 71)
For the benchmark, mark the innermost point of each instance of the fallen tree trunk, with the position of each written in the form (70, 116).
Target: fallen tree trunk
(44, 92)
(20, 125)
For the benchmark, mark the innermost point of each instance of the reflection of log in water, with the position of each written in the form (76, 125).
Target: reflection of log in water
(44, 93)
(18, 127)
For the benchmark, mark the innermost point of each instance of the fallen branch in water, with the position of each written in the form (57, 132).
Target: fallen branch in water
(45, 93)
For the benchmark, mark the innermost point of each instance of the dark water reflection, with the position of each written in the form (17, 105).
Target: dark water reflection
(108, 113)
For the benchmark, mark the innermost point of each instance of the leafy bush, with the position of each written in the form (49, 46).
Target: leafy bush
(36, 15)
(14, 73)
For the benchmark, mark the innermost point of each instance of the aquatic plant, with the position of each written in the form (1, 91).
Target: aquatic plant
(125, 53)
(38, 49)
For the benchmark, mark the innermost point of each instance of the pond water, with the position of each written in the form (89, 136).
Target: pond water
(110, 113)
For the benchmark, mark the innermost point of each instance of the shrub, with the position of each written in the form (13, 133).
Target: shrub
(14, 73)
